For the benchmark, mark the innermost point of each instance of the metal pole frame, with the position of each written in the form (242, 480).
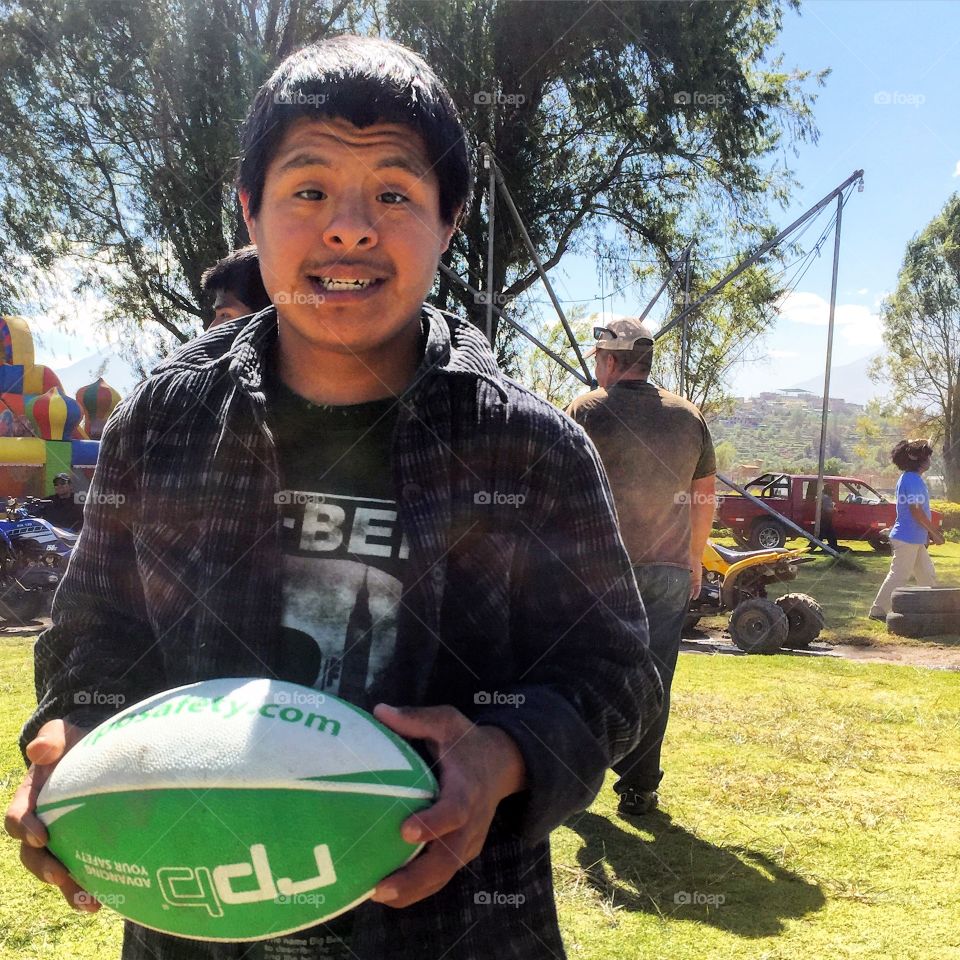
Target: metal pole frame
(826, 376)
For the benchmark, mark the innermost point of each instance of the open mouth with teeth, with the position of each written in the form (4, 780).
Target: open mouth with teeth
(336, 284)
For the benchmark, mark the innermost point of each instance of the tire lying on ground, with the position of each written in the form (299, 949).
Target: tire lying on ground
(758, 626)
(804, 619)
(926, 600)
(922, 624)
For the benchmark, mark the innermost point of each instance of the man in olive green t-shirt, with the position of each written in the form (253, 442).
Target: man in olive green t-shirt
(658, 455)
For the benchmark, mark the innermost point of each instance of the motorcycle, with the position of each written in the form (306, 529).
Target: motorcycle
(33, 559)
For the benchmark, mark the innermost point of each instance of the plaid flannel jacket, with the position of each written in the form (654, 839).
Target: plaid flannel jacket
(517, 584)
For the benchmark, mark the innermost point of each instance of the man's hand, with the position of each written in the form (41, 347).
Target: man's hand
(479, 766)
(696, 578)
(52, 741)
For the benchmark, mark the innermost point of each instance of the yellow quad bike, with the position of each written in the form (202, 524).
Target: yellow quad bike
(736, 581)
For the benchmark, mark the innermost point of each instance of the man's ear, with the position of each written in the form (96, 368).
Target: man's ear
(449, 231)
(247, 218)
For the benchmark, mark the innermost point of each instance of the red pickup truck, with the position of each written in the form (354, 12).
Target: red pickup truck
(860, 513)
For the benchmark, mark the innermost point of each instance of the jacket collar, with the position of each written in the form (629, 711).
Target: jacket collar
(453, 346)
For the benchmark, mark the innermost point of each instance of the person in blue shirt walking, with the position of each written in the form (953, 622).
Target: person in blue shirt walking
(914, 527)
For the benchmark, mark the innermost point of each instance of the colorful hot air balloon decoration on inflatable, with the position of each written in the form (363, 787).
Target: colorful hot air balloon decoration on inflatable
(40, 425)
(54, 414)
(97, 400)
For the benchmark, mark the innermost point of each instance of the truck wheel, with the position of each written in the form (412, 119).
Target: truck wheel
(805, 617)
(880, 541)
(922, 624)
(767, 535)
(926, 600)
(758, 625)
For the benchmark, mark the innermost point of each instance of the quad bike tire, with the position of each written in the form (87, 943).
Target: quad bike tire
(767, 535)
(758, 625)
(20, 607)
(926, 600)
(805, 619)
(922, 624)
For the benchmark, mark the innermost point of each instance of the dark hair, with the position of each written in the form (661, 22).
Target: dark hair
(909, 454)
(239, 274)
(362, 80)
(637, 360)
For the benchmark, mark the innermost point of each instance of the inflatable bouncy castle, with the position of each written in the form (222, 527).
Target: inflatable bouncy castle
(43, 431)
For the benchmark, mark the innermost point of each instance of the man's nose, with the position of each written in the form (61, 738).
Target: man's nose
(351, 227)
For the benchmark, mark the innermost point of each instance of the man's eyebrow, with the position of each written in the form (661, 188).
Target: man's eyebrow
(398, 161)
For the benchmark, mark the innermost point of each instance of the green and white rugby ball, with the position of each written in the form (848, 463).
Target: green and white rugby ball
(235, 809)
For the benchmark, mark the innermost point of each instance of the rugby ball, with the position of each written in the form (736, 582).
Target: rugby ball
(234, 809)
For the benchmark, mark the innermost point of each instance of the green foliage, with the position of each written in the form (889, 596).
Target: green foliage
(921, 323)
(951, 514)
(583, 106)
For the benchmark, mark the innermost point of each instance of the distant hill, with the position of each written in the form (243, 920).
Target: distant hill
(849, 382)
(104, 363)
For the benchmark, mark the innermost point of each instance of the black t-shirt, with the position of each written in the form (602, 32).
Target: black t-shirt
(343, 554)
(64, 512)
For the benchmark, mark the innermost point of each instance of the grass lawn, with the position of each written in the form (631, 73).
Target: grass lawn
(846, 594)
(809, 811)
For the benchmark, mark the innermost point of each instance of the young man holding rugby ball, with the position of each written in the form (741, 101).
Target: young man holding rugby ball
(316, 494)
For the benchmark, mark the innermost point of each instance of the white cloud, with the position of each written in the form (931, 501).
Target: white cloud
(782, 354)
(863, 291)
(856, 324)
(956, 172)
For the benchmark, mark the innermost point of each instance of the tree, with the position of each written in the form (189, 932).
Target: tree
(723, 332)
(727, 456)
(617, 127)
(119, 124)
(921, 330)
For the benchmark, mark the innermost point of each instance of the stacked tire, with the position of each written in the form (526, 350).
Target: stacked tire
(924, 611)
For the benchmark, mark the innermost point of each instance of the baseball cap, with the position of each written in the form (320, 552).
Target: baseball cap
(622, 334)
(63, 476)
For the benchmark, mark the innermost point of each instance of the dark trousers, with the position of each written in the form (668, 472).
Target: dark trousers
(666, 594)
(827, 534)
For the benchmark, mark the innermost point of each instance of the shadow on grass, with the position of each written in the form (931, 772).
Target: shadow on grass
(669, 872)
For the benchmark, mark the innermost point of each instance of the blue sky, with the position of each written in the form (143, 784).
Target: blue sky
(909, 148)
(907, 54)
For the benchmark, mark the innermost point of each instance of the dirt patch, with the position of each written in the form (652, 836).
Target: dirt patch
(932, 656)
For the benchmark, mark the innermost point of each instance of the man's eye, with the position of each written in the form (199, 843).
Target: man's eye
(393, 198)
(310, 194)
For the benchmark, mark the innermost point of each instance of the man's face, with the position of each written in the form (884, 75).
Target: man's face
(227, 307)
(341, 204)
(63, 488)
